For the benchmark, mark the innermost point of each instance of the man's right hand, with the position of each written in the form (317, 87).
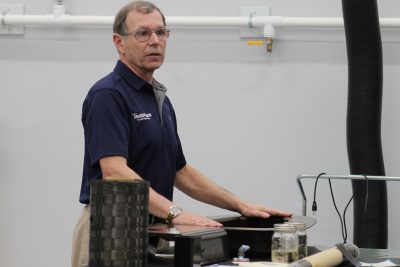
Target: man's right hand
(192, 219)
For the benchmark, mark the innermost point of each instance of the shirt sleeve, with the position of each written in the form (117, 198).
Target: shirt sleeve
(180, 161)
(105, 125)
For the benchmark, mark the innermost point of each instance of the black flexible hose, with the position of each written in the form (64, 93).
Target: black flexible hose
(364, 52)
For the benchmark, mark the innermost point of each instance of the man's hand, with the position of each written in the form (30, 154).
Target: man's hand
(192, 219)
(193, 183)
(254, 210)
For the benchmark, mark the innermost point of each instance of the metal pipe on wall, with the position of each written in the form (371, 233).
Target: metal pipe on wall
(174, 21)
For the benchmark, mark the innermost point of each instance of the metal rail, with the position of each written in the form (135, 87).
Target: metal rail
(337, 177)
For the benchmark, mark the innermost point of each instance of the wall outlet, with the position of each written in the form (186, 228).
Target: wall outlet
(11, 9)
(251, 33)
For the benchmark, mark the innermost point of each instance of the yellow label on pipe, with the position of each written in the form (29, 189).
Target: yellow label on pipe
(255, 42)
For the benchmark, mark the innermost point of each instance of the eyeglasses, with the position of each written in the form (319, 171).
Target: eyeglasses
(142, 35)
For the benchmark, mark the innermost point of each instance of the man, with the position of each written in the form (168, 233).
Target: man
(131, 132)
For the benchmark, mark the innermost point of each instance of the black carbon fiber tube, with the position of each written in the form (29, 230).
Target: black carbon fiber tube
(118, 223)
(364, 53)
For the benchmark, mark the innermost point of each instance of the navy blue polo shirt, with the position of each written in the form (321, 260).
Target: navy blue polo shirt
(120, 117)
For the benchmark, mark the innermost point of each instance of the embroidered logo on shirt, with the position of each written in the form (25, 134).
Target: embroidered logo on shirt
(142, 116)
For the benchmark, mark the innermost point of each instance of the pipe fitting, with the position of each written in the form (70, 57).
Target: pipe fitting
(58, 9)
(269, 34)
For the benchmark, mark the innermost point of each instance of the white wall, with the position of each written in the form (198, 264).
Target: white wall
(250, 121)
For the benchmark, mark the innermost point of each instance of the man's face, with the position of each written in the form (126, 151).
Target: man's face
(143, 57)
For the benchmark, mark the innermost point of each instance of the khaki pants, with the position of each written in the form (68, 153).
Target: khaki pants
(80, 241)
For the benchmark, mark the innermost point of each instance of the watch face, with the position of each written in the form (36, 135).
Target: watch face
(175, 211)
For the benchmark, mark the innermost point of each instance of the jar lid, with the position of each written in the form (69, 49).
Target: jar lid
(300, 226)
(284, 227)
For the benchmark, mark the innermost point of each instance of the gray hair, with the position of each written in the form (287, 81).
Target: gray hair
(143, 7)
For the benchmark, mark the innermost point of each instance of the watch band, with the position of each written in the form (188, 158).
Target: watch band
(173, 212)
(169, 218)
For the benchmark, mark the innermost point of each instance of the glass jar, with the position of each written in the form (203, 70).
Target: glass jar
(284, 245)
(302, 236)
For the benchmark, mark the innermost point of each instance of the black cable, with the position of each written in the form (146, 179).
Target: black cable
(366, 204)
(314, 205)
(337, 210)
(344, 219)
(348, 203)
(366, 195)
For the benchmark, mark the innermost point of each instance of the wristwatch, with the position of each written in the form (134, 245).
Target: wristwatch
(173, 212)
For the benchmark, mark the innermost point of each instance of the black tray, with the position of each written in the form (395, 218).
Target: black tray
(255, 232)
